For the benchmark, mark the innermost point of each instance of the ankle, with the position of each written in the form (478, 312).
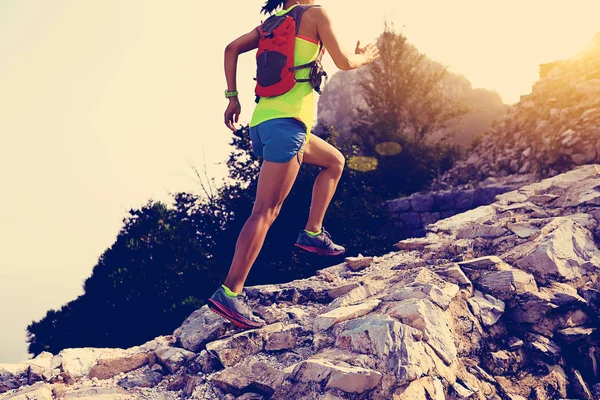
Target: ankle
(313, 228)
(232, 288)
(314, 232)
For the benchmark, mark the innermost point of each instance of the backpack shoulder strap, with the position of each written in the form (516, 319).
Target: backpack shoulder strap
(298, 11)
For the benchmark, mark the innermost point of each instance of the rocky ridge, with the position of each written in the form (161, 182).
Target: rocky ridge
(499, 302)
(549, 131)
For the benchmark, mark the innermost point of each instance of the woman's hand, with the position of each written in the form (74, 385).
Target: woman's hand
(370, 52)
(232, 113)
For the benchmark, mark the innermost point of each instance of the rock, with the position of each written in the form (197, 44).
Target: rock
(172, 358)
(107, 368)
(78, 362)
(454, 223)
(543, 345)
(531, 308)
(147, 379)
(12, 376)
(325, 321)
(504, 362)
(488, 308)
(425, 285)
(564, 249)
(201, 327)
(38, 391)
(397, 205)
(250, 396)
(584, 192)
(421, 202)
(456, 273)
(339, 291)
(358, 263)
(285, 339)
(490, 263)
(357, 295)
(584, 158)
(191, 383)
(592, 297)
(561, 294)
(423, 388)
(397, 344)
(326, 275)
(571, 335)
(423, 315)
(413, 244)
(505, 284)
(255, 377)
(347, 378)
(540, 199)
(515, 343)
(271, 314)
(101, 393)
(462, 392)
(204, 362)
(580, 388)
(523, 230)
(233, 349)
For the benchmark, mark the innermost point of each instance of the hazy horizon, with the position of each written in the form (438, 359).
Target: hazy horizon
(104, 105)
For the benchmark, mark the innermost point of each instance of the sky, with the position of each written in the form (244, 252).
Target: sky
(107, 104)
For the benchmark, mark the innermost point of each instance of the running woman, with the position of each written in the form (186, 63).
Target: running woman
(280, 132)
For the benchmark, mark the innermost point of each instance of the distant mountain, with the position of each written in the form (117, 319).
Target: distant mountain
(342, 99)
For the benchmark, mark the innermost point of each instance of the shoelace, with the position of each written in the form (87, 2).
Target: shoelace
(327, 237)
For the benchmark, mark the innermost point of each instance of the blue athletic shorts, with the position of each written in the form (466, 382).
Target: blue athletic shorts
(279, 140)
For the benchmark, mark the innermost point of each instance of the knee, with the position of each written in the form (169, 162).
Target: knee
(337, 164)
(266, 212)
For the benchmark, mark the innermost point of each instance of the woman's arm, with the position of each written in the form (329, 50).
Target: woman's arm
(244, 43)
(342, 59)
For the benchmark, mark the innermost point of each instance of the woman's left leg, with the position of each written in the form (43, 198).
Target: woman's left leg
(319, 152)
(314, 238)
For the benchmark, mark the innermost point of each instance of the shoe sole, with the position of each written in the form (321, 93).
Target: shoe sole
(321, 252)
(237, 319)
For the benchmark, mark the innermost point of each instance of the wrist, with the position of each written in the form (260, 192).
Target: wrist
(231, 94)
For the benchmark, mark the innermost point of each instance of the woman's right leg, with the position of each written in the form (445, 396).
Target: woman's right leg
(274, 184)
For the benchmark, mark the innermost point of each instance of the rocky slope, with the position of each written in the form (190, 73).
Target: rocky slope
(549, 131)
(500, 302)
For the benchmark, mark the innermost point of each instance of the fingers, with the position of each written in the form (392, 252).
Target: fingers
(229, 122)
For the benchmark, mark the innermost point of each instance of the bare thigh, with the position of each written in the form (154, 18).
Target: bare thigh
(319, 152)
(274, 184)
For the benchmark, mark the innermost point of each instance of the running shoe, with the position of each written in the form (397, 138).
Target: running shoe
(320, 244)
(234, 309)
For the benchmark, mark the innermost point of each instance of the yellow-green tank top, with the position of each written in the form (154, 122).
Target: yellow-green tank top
(299, 101)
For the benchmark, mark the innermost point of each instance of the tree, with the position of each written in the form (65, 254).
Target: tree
(406, 102)
(405, 96)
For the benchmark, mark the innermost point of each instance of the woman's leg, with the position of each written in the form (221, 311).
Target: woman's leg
(319, 152)
(274, 184)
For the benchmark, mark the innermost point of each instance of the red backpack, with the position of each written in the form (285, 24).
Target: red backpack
(275, 57)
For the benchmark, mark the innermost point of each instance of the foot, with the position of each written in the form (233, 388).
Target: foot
(320, 244)
(234, 309)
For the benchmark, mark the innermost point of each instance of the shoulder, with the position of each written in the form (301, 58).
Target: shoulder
(319, 13)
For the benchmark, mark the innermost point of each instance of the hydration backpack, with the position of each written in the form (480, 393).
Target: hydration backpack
(275, 56)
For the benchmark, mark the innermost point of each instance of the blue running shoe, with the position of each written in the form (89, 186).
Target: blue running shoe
(320, 244)
(234, 309)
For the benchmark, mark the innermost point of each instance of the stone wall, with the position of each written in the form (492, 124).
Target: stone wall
(411, 214)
